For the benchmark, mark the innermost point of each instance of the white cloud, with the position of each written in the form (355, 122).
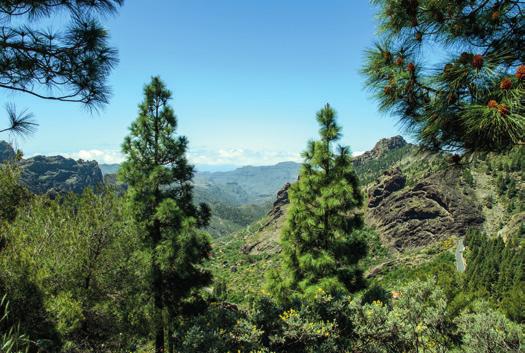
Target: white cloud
(101, 156)
(199, 156)
(204, 156)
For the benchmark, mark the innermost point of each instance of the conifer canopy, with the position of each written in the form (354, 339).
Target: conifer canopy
(320, 246)
(471, 100)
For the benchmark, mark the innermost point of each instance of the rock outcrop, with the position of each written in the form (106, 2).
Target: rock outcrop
(381, 147)
(434, 208)
(7, 153)
(57, 174)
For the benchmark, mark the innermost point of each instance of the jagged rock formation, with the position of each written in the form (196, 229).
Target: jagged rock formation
(7, 152)
(435, 208)
(381, 147)
(57, 174)
(277, 210)
(394, 180)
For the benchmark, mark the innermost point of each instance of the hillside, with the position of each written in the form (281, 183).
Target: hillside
(416, 205)
(238, 197)
(241, 196)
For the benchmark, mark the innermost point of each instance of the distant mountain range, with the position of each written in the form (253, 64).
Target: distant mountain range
(241, 186)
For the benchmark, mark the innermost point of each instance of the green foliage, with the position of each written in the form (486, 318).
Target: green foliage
(372, 169)
(472, 101)
(160, 196)
(227, 218)
(495, 269)
(417, 322)
(11, 340)
(485, 330)
(71, 268)
(319, 249)
(12, 193)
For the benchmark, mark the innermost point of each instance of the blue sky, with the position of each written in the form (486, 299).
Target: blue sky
(247, 78)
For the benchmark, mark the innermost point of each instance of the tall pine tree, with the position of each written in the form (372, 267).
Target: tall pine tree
(160, 193)
(320, 247)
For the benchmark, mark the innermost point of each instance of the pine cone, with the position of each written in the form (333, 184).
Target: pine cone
(399, 61)
(419, 36)
(492, 104)
(495, 16)
(388, 90)
(411, 67)
(520, 72)
(477, 61)
(505, 84)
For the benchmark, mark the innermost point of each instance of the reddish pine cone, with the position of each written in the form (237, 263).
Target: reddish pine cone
(520, 72)
(492, 104)
(503, 109)
(477, 61)
(399, 61)
(419, 36)
(506, 83)
(495, 16)
(411, 67)
(388, 90)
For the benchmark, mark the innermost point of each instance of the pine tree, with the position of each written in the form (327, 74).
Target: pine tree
(160, 192)
(320, 247)
(473, 100)
(68, 65)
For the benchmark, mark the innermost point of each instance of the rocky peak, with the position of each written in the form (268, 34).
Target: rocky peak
(277, 208)
(57, 174)
(7, 152)
(381, 147)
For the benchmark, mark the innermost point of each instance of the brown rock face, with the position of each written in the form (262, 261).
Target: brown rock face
(394, 180)
(433, 209)
(277, 209)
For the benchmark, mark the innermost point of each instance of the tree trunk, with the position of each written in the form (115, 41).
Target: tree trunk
(171, 343)
(157, 293)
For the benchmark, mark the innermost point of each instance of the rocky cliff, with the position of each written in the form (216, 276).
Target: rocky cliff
(435, 208)
(6, 152)
(382, 147)
(412, 202)
(55, 174)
